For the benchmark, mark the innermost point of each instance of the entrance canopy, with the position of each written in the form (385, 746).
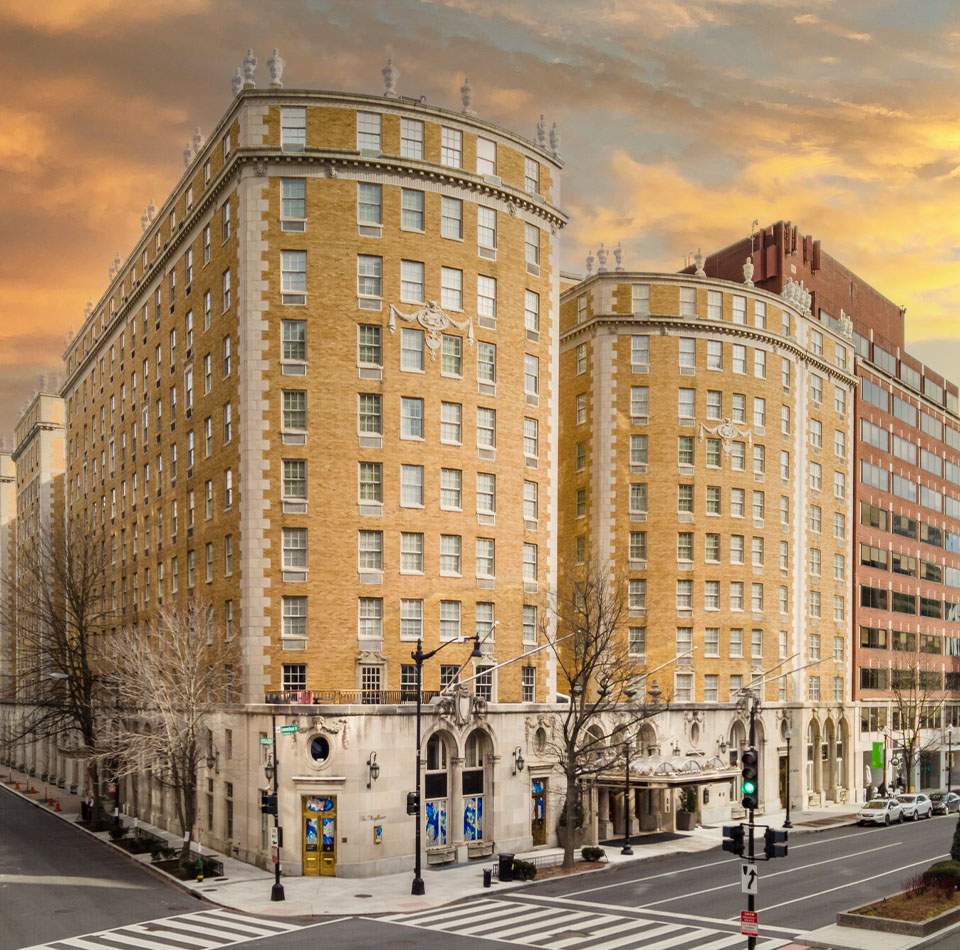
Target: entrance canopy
(670, 772)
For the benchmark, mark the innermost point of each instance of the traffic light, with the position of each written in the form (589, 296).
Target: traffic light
(268, 804)
(733, 839)
(413, 803)
(775, 843)
(750, 778)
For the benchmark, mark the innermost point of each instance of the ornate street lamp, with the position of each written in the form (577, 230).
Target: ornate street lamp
(787, 735)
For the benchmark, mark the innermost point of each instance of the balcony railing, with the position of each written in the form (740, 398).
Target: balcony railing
(350, 697)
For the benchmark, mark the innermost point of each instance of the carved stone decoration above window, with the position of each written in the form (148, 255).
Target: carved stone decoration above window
(727, 432)
(434, 321)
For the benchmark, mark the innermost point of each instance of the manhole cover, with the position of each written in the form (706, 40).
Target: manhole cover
(363, 895)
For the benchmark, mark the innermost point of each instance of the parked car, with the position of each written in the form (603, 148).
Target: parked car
(945, 802)
(916, 806)
(880, 811)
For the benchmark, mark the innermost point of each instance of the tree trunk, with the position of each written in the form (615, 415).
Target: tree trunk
(189, 812)
(570, 810)
(93, 777)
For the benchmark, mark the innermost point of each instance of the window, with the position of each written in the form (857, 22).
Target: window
(714, 305)
(451, 218)
(411, 486)
(531, 244)
(451, 355)
(638, 545)
(685, 443)
(294, 617)
(411, 349)
(684, 594)
(739, 359)
(486, 228)
(737, 502)
(530, 438)
(485, 558)
(711, 595)
(715, 354)
(370, 550)
(369, 276)
(839, 485)
(411, 138)
(816, 389)
(411, 210)
(816, 433)
(531, 311)
(293, 201)
(486, 493)
(738, 452)
(451, 493)
(369, 204)
(486, 156)
(293, 130)
(451, 427)
(368, 131)
(637, 593)
(814, 611)
(687, 350)
(813, 688)
(486, 428)
(756, 644)
(371, 482)
(640, 408)
(451, 288)
(688, 302)
(294, 409)
(294, 478)
(411, 418)
(530, 501)
(684, 544)
(759, 460)
(816, 342)
(370, 618)
(486, 297)
(369, 413)
(294, 549)
(756, 598)
(581, 502)
(816, 476)
(714, 404)
(685, 498)
(529, 563)
(209, 561)
(411, 619)
(225, 287)
(736, 642)
(714, 453)
(227, 425)
(451, 147)
(411, 553)
(369, 346)
(581, 359)
(686, 401)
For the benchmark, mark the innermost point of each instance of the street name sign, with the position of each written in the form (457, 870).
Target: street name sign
(288, 730)
(749, 878)
(749, 925)
(266, 740)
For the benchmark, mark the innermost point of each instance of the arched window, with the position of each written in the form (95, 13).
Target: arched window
(473, 785)
(435, 792)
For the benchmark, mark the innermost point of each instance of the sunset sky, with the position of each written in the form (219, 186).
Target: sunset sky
(681, 122)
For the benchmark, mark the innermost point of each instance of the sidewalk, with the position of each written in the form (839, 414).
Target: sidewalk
(247, 888)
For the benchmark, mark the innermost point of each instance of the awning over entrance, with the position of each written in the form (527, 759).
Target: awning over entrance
(666, 772)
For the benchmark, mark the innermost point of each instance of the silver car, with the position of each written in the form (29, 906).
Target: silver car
(915, 806)
(880, 811)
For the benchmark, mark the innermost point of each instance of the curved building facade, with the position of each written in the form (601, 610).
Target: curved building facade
(706, 455)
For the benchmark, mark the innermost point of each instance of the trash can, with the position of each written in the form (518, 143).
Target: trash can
(487, 877)
(84, 811)
(505, 867)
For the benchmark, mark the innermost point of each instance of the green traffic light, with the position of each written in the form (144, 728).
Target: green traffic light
(749, 788)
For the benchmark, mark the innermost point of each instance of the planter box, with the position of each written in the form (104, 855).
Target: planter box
(562, 836)
(441, 855)
(479, 849)
(909, 928)
(686, 820)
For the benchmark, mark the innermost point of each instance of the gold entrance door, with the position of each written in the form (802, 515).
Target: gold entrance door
(538, 815)
(319, 823)
(784, 778)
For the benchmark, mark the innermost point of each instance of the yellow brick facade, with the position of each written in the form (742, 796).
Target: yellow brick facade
(129, 419)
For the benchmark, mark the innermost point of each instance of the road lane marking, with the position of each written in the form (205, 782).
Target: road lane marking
(766, 877)
(48, 880)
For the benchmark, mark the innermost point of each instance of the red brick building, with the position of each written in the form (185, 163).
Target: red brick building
(905, 633)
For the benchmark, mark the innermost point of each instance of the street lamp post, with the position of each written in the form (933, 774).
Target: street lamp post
(418, 657)
(786, 822)
(949, 759)
(271, 770)
(626, 849)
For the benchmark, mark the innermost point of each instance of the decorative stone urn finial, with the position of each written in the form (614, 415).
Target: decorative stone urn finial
(602, 253)
(542, 132)
(555, 140)
(390, 75)
(151, 210)
(249, 69)
(275, 64)
(197, 141)
(236, 83)
(698, 264)
(466, 96)
(589, 263)
(748, 271)
(618, 256)
(187, 156)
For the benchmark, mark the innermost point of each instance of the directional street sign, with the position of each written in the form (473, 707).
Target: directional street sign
(266, 740)
(749, 925)
(288, 730)
(749, 878)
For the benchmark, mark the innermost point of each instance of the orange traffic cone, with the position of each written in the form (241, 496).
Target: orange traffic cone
(16, 785)
(57, 806)
(50, 802)
(33, 791)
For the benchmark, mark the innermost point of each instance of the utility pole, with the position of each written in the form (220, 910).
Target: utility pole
(751, 898)
(276, 892)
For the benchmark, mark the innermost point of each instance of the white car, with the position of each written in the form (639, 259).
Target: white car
(915, 806)
(880, 811)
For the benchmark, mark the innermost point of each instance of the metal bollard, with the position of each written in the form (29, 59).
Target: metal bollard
(487, 876)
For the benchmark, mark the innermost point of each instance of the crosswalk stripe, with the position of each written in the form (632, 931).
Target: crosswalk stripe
(424, 916)
(209, 931)
(631, 924)
(640, 928)
(489, 924)
(227, 915)
(724, 940)
(589, 924)
(695, 936)
(190, 938)
(122, 936)
(529, 924)
(505, 910)
(233, 922)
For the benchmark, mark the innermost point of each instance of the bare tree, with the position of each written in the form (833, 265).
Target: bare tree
(56, 609)
(606, 694)
(918, 699)
(168, 682)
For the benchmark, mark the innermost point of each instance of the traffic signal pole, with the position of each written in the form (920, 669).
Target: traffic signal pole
(276, 892)
(751, 898)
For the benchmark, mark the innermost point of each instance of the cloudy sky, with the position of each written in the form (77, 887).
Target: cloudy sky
(681, 122)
